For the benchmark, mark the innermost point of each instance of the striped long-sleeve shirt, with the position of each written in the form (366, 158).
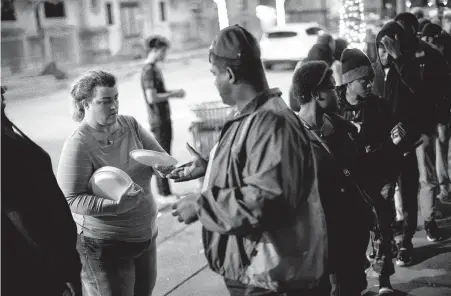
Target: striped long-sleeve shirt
(82, 155)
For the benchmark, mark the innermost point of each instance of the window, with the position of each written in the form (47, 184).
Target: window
(8, 11)
(130, 18)
(52, 10)
(162, 11)
(281, 34)
(95, 6)
(109, 14)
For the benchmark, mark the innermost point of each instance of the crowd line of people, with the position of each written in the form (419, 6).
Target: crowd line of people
(292, 196)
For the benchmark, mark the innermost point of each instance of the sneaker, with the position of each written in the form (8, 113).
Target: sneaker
(433, 233)
(404, 257)
(371, 255)
(443, 195)
(385, 287)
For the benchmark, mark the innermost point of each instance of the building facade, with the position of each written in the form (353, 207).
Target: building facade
(72, 32)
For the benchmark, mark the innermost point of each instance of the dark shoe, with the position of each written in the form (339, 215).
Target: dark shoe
(404, 257)
(443, 195)
(385, 287)
(433, 233)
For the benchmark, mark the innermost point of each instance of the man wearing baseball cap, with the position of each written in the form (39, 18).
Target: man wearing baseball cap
(349, 213)
(263, 223)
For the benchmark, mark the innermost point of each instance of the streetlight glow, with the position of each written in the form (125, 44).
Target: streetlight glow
(280, 11)
(222, 13)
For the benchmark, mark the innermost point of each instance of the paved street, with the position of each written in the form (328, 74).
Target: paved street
(181, 264)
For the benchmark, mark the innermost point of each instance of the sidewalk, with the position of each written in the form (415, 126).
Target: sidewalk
(28, 86)
(430, 274)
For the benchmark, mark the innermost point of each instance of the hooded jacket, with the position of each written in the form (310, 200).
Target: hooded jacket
(263, 221)
(416, 82)
(374, 117)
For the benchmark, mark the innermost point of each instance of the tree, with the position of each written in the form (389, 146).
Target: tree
(352, 23)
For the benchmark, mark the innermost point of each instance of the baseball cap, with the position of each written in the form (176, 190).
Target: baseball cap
(235, 43)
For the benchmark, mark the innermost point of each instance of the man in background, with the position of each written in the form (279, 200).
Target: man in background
(157, 101)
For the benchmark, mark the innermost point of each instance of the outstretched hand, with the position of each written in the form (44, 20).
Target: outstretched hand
(191, 170)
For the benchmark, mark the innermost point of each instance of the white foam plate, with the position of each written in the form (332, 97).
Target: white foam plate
(152, 158)
(110, 182)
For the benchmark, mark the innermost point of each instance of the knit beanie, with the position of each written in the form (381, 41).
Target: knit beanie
(355, 65)
(432, 30)
(311, 77)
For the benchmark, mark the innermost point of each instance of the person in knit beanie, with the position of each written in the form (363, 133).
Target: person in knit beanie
(372, 117)
(313, 87)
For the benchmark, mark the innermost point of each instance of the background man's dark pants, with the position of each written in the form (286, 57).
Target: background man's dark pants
(163, 134)
(408, 182)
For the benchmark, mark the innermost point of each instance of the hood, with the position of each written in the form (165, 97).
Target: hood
(324, 39)
(320, 52)
(392, 29)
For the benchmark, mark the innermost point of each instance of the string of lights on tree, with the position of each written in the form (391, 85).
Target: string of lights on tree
(352, 23)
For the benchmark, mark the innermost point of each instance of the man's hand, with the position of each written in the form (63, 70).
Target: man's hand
(191, 170)
(392, 46)
(185, 209)
(398, 133)
(179, 93)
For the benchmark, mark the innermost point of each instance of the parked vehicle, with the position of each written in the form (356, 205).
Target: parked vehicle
(289, 43)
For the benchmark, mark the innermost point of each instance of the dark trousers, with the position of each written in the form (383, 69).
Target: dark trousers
(163, 134)
(238, 289)
(351, 258)
(382, 237)
(408, 182)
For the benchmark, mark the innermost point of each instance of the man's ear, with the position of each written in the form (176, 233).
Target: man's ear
(231, 75)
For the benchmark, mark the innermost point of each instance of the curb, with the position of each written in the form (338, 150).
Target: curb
(121, 69)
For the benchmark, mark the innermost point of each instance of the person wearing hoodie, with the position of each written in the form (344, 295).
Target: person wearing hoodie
(435, 76)
(434, 35)
(372, 117)
(323, 50)
(413, 72)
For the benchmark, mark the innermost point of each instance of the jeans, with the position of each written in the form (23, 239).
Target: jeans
(238, 289)
(111, 268)
(429, 185)
(163, 135)
(441, 160)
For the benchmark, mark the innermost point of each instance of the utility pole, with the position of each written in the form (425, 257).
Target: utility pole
(280, 12)
(400, 6)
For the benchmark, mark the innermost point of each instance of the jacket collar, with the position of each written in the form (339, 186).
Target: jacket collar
(257, 102)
